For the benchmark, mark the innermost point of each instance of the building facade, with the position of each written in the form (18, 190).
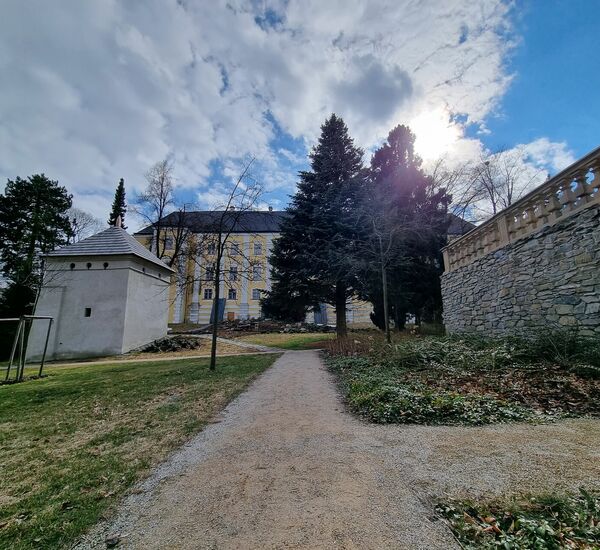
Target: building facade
(245, 271)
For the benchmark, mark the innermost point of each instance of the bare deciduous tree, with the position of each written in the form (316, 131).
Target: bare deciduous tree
(155, 202)
(184, 248)
(242, 197)
(483, 188)
(83, 224)
(502, 178)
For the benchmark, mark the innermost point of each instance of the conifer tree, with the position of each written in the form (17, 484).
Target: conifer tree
(313, 260)
(119, 208)
(33, 221)
(419, 212)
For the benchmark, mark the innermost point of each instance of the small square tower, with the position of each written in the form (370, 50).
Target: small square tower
(107, 294)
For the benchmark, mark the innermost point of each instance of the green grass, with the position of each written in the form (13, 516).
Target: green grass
(541, 522)
(298, 341)
(72, 444)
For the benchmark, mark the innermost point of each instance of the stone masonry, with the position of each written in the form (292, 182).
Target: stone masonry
(549, 279)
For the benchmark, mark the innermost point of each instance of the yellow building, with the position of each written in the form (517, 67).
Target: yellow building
(245, 270)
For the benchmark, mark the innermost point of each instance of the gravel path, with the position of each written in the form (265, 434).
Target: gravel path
(285, 467)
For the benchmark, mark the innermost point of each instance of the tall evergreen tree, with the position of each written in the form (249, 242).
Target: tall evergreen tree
(313, 258)
(33, 221)
(418, 209)
(119, 208)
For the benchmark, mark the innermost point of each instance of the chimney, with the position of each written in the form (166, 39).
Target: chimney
(270, 209)
(118, 221)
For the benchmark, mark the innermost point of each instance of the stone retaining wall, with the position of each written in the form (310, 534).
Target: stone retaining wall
(550, 279)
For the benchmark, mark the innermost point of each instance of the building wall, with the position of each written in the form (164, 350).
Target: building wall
(550, 279)
(126, 310)
(147, 306)
(193, 307)
(66, 295)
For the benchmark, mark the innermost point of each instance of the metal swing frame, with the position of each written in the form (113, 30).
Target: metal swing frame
(19, 343)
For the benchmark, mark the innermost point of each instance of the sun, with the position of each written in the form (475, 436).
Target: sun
(436, 134)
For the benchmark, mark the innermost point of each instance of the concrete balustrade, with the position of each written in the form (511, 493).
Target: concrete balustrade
(567, 193)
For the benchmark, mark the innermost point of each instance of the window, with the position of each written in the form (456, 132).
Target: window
(232, 294)
(256, 272)
(211, 248)
(258, 249)
(233, 272)
(234, 249)
(168, 243)
(87, 312)
(208, 294)
(256, 294)
(210, 273)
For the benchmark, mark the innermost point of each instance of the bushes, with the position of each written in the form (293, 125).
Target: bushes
(468, 379)
(567, 349)
(380, 395)
(548, 522)
(564, 347)
(405, 405)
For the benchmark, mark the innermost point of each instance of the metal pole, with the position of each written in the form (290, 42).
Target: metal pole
(14, 348)
(22, 355)
(45, 346)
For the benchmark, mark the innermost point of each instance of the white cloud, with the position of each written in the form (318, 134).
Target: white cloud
(554, 156)
(98, 90)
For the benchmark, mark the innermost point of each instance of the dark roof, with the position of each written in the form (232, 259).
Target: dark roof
(113, 241)
(458, 226)
(207, 221)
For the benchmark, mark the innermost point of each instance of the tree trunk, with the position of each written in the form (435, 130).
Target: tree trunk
(340, 310)
(215, 325)
(399, 318)
(386, 315)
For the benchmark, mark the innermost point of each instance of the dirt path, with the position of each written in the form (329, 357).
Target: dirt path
(285, 467)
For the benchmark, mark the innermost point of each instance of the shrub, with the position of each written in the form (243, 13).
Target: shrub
(564, 347)
(467, 379)
(546, 522)
(375, 393)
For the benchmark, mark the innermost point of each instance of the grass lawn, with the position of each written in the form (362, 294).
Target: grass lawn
(71, 444)
(307, 340)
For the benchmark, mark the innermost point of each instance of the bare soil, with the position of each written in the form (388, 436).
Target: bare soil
(284, 466)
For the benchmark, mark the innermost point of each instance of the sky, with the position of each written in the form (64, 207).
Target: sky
(98, 90)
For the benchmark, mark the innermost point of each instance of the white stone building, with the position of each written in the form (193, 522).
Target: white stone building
(107, 294)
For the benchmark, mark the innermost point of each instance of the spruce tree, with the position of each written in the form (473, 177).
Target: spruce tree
(314, 258)
(119, 208)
